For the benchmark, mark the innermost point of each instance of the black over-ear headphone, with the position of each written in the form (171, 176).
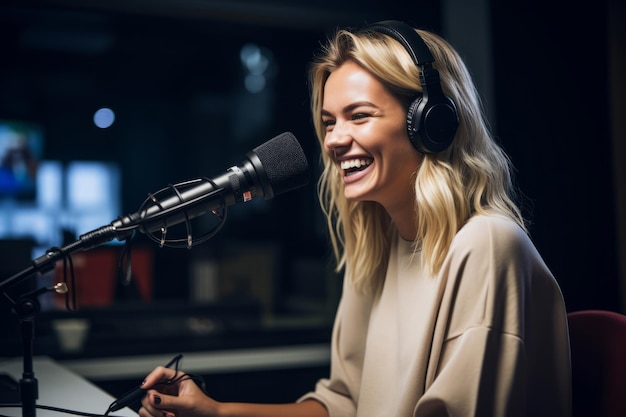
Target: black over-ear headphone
(432, 119)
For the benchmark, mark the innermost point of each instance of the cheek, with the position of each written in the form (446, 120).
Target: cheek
(407, 157)
(402, 148)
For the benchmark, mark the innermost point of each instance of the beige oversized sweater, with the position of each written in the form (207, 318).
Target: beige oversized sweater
(485, 337)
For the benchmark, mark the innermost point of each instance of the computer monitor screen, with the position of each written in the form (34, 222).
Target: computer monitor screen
(21, 149)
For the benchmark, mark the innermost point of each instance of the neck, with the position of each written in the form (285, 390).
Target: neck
(405, 220)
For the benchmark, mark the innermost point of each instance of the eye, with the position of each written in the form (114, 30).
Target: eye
(327, 123)
(360, 116)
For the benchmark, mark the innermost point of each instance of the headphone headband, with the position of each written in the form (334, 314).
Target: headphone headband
(407, 36)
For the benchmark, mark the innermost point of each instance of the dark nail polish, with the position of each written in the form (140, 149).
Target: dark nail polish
(157, 399)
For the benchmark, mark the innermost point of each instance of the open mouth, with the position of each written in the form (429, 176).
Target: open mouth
(352, 166)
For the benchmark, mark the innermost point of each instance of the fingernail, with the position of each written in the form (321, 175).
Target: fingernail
(143, 383)
(157, 399)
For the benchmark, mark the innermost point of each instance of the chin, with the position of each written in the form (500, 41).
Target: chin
(354, 197)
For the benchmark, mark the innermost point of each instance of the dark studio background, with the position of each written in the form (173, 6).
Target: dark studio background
(172, 73)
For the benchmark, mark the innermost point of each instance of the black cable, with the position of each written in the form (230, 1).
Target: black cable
(125, 277)
(55, 409)
(67, 258)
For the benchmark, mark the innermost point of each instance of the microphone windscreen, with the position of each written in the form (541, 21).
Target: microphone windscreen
(284, 162)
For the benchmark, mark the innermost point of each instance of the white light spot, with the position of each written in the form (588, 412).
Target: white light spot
(104, 118)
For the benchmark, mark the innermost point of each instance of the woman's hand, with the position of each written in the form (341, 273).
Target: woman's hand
(181, 398)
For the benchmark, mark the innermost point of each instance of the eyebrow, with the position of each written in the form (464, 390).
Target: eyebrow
(351, 107)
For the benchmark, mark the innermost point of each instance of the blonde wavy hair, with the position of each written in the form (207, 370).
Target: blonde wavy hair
(472, 176)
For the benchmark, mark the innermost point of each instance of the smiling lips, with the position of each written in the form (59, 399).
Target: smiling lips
(352, 166)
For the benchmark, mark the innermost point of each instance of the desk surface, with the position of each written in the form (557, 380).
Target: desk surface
(60, 387)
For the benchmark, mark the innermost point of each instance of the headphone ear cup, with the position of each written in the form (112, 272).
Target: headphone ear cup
(432, 125)
(413, 122)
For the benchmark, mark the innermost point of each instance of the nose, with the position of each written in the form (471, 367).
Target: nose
(339, 137)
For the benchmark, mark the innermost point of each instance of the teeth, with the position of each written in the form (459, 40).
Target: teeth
(354, 163)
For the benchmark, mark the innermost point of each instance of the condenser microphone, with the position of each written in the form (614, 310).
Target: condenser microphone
(273, 168)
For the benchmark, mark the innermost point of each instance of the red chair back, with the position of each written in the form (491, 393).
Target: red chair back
(598, 349)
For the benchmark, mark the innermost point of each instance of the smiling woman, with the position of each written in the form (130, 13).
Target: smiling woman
(434, 248)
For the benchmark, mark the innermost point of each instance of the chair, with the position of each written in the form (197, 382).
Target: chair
(598, 349)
